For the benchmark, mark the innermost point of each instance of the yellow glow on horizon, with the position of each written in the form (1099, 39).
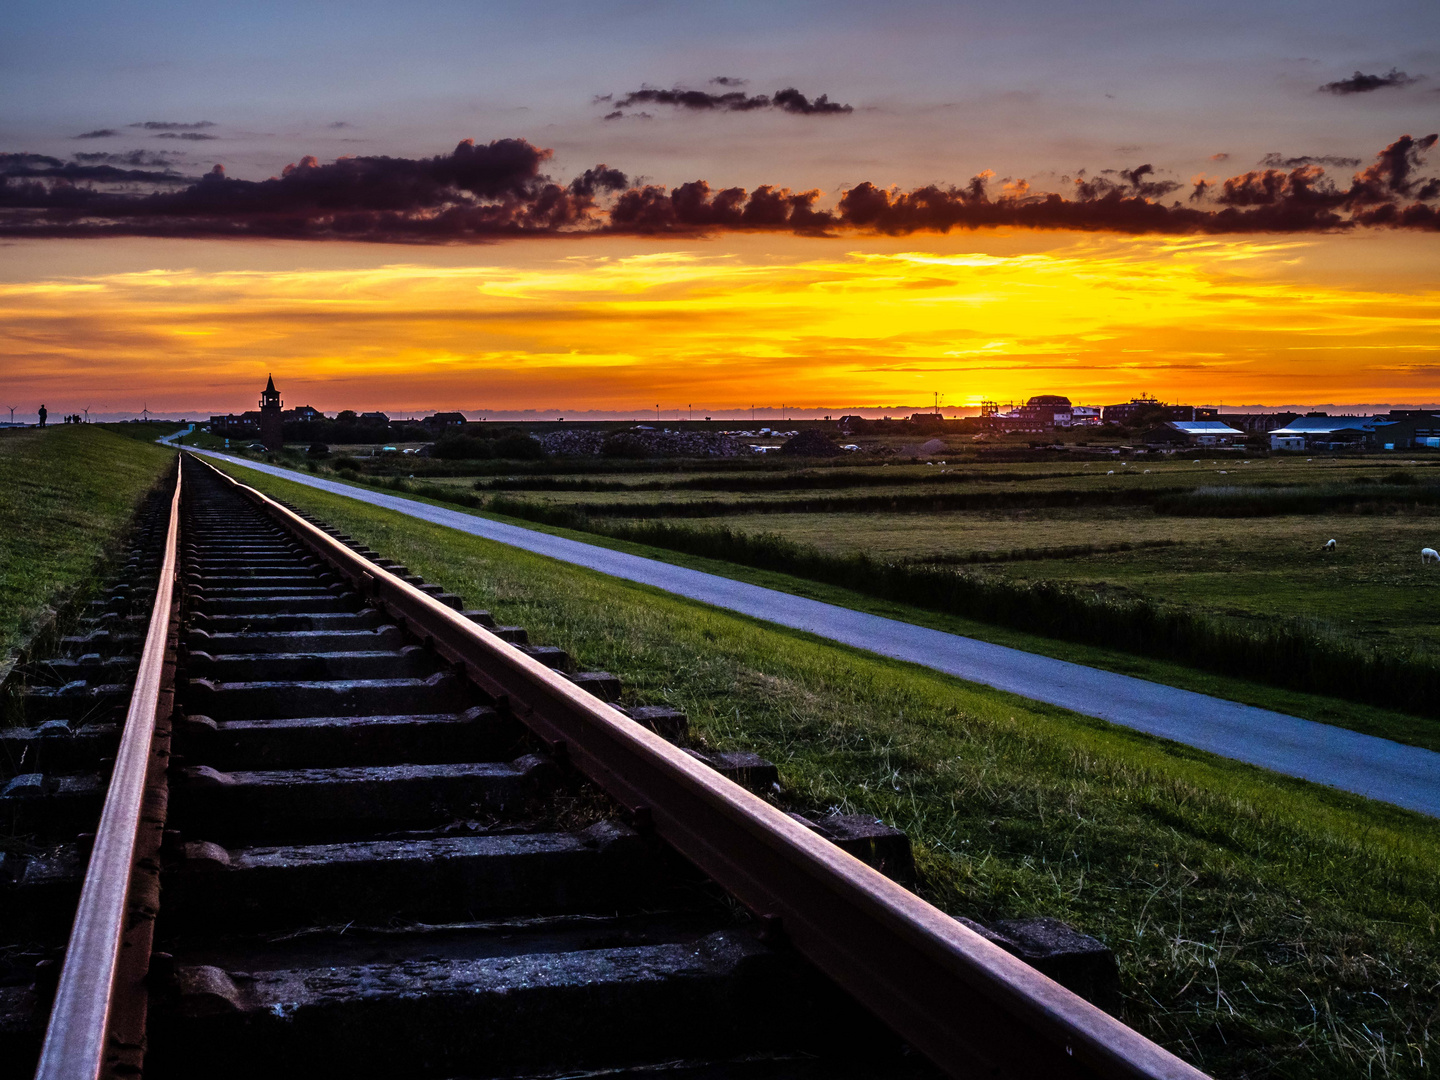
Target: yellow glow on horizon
(1097, 318)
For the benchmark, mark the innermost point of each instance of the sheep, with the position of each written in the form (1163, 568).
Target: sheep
(1329, 545)
(1110, 473)
(1429, 555)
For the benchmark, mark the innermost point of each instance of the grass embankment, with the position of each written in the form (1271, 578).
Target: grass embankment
(1263, 926)
(66, 494)
(142, 431)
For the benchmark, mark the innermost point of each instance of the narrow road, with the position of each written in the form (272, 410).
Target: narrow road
(1376, 768)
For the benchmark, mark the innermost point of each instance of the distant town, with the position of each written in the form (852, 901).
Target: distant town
(1146, 420)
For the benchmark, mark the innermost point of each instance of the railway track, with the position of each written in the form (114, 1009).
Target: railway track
(351, 829)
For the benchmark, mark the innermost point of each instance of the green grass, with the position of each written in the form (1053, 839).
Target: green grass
(1264, 926)
(66, 494)
(142, 432)
(1356, 715)
(1372, 588)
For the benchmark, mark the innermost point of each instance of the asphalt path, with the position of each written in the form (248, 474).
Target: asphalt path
(1377, 768)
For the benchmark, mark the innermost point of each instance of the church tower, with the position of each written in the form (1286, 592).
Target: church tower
(271, 433)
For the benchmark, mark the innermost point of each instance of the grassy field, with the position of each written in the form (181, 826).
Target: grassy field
(1373, 586)
(68, 492)
(1264, 927)
(1216, 563)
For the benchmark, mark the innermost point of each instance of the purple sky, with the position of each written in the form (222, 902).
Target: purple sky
(939, 91)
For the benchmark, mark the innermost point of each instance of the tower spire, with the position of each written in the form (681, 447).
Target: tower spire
(271, 418)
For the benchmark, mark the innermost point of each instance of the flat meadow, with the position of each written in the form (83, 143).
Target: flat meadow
(1197, 566)
(1209, 534)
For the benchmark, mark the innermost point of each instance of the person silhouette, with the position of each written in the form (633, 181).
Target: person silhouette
(43, 414)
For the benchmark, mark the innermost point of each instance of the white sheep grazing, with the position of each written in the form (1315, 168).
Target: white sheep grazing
(1329, 545)
(1429, 555)
(1110, 473)
(1147, 472)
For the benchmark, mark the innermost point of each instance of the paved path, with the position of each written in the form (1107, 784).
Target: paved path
(1378, 768)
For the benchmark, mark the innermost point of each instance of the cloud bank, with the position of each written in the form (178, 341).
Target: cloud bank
(173, 125)
(1360, 83)
(788, 100)
(498, 190)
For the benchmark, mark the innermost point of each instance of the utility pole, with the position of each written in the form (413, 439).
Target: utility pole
(657, 413)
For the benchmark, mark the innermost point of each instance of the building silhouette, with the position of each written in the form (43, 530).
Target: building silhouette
(271, 422)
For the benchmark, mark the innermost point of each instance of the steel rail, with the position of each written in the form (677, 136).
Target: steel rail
(968, 1005)
(75, 1038)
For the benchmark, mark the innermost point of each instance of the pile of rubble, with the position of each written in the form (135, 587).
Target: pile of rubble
(641, 442)
(571, 442)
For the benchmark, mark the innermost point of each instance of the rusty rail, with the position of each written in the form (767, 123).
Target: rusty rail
(968, 1005)
(81, 1018)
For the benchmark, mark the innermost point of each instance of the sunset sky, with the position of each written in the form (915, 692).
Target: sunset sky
(717, 206)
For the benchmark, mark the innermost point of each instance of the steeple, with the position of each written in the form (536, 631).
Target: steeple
(272, 420)
(270, 397)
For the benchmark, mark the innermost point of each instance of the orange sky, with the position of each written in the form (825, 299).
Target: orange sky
(623, 325)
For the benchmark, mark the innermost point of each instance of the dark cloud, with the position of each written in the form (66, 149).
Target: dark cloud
(1392, 176)
(1150, 189)
(472, 193)
(1279, 161)
(788, 100)
(98, 133)
(1360, 83)
(10, 162)
(338, 124)
(480, 192)
(600, 178)
(694, 100)
(792, 101)
(696, 207)
(190, 136)
(173, 125)
(87, 169)
(133, 158)
(1222, 156)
